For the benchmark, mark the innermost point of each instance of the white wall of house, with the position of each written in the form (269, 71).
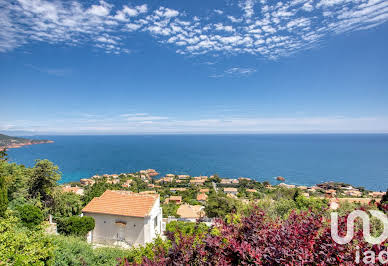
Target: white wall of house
(153, 223)
(112, 229)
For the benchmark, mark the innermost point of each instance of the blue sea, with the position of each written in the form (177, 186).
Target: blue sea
(361, 160)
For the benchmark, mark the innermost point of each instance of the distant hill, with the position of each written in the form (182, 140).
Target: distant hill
(16, 142)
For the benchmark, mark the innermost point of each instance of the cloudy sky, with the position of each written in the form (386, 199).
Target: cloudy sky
(249, 66)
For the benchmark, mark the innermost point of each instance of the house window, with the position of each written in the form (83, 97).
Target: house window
(156, 222)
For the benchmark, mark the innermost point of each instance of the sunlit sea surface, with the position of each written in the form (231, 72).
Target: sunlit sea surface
(361, 160)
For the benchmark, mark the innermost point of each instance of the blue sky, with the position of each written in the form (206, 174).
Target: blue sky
(123, 67)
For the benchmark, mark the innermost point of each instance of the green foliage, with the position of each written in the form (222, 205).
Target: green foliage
(3, 196)
(75, 225)
(218, 205)
(17, 177)
(44, 178)
(20, 246)
(75, 251)
(66, 204)
(314, 204)
(187, 228)
(30, 216)
(284, 206)
(3, 155)
(170, 210)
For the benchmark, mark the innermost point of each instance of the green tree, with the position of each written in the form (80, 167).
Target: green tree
(75, 225)
(30, 215)
(218, 205)
(3, 196)
(66, 204)
(44, 178)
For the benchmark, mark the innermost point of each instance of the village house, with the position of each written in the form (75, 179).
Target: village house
(229, 181)
(151, 172)
(230, 190)
(127, 183)
(164, 180)
(148, 192)
(75, 190)
(245, 178)
(286, 185)
(170, 175)
(353, 192)
(113, 181)
(190, 212)
(153, 186)
(201, 197)
(183, 177)
(173, 199)
(376, 194)
(330, 192)
(313, 189)
(87, 182)
(175, 189)
(204, 190)
(124, 218)
(251, 190)
(197, 182)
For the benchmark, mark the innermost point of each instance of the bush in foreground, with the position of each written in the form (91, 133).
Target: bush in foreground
(20, 246)
(302, 239)
(75, 225)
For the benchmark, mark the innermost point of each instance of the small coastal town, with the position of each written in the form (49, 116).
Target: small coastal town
(135, 208)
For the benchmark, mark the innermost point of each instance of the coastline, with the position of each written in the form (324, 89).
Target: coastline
(19, 145)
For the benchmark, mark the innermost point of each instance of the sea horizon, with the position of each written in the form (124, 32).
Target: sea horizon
(303, 159)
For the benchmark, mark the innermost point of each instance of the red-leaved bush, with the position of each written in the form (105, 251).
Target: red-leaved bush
(303, 239)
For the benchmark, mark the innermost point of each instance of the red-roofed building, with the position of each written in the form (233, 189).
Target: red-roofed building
(124, 218)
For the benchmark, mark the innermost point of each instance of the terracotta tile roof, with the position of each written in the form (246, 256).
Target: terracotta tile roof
(123, 203)
(201, 196)
(178, 189)
(190, 211)
(176, 198)
(230, 189)
(204, 190)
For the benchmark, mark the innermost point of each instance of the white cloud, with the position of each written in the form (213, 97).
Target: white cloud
(265, 28)
(99, 10)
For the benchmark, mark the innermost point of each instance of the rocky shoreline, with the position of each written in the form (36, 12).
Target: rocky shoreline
(31, 142)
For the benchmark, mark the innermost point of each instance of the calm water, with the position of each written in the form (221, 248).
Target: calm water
(360, 160)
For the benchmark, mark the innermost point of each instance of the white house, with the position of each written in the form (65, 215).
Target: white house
(124, 218)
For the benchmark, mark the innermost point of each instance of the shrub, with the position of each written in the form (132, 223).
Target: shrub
(20, 246)
(75, 225)
(72, 250)
(30, 215)
(303, 239)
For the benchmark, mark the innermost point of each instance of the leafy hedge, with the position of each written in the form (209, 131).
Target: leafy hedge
(30, 215)
(75, 225)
